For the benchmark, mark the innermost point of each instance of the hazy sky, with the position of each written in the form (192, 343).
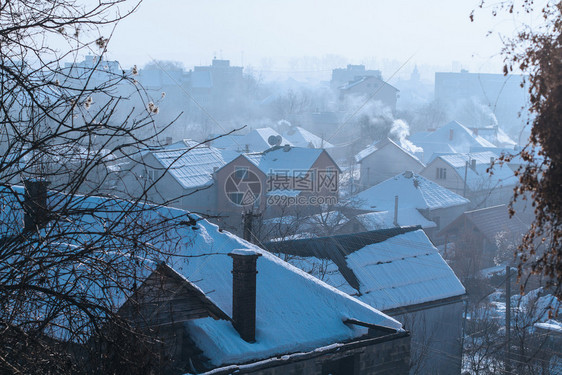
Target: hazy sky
(270, 35)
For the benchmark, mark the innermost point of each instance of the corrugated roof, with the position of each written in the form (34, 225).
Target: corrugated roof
(191, 168)
(402, 271)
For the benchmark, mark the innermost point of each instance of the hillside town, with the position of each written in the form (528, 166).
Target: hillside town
(183, 219)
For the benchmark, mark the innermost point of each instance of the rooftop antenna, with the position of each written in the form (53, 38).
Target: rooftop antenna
(274, 140)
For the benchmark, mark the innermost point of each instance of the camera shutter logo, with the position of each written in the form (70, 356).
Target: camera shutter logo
(243, 187)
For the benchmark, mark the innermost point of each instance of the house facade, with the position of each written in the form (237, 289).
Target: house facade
(384, 160)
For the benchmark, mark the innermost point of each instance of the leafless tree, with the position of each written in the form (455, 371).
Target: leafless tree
(68, 261)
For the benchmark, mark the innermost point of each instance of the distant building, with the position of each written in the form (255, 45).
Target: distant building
(341, 76)
(371, 88)
(383, 160)
(398, 271)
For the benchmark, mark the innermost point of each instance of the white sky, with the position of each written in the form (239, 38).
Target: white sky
(268, 34)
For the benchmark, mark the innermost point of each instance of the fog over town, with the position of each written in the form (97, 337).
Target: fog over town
(251, 187)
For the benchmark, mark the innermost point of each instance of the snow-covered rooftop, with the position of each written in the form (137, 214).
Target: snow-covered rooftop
(192, 168)
(385, 219)
(301, 137)
(286, 160)
(379, 145)
(403, 270)
(394, 270)
(256, 140)
(452, 137)
(294, 310)
(413, 191)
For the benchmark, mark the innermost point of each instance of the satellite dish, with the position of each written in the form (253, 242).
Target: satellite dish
(274, 140)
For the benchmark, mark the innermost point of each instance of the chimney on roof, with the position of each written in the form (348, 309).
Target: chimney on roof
(473, 164)
(475, 132)
(36, 213)
(451, 133)
(168, 141)
(244, 273)
(287, 148)
(492, 159)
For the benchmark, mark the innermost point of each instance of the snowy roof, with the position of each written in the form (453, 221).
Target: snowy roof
(478, 178)
(294, 311)
(256, 140)
(452, 137)
(192, 168)
(356, 82)
(385, 219)
(496, 136)
(387, 269)
(402, 271)
(301, 137)
(379, 145)
(286, 159)
(413, 191)
(491, 221)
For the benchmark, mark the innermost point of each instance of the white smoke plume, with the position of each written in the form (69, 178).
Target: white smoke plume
(400, 131)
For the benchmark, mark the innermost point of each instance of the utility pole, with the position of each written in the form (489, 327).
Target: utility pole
(465, 174)
(247, 222)
(508, 318)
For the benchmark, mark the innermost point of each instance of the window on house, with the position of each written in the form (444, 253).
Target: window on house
(441, 173)
(241, 173)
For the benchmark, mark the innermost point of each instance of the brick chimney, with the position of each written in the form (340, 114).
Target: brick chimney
(244, 292)
(36, 213)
